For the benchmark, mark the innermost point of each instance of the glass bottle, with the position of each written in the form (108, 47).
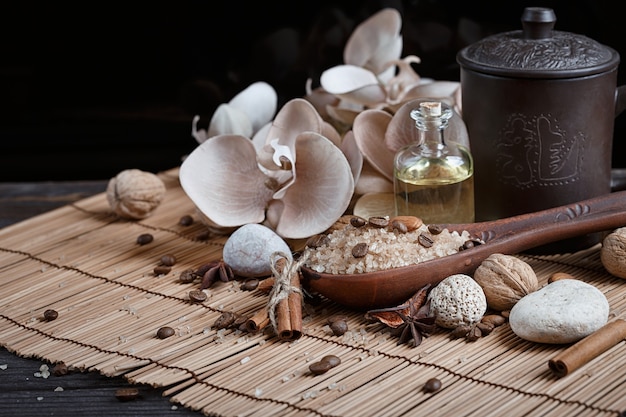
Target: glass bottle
(434, 177)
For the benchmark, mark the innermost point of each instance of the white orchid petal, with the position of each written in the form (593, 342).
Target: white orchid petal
(223, 180)
(322, 189)
(199, 134)
(377, 36)
(228, 120)
(258, 102)
(371, 181)
(369, 133)
(353, 155)
(295, 117)
(280, 152)
(343, 79)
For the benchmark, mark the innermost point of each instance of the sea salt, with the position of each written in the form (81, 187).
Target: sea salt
(387, 249)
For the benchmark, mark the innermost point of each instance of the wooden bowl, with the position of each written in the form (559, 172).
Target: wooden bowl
(508, 236)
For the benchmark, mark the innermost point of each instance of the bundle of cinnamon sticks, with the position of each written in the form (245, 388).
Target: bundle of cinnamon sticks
(284, 309)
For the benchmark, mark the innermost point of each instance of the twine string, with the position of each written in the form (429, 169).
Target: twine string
(282, 282)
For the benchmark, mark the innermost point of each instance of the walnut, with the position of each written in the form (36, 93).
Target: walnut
(505, 279)
(135, 194)
(613, 252)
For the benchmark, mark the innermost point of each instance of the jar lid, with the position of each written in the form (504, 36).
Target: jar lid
(538, 51)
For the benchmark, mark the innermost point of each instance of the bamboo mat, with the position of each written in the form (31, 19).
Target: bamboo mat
(85, 263)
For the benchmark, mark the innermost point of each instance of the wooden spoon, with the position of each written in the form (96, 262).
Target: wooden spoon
(508, 236)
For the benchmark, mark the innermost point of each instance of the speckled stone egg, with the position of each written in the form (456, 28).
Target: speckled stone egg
(457, 300)
(248, 250)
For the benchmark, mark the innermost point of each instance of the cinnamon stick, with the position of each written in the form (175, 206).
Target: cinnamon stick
(289, 309)
(588, 348)
(258, 321)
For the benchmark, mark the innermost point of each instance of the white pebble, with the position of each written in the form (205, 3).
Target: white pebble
(564, 311)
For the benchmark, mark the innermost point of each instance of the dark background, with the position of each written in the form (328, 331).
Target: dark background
(88, 89)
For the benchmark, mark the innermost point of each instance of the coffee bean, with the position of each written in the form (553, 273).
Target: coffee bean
(316, 241)
(432, 385)
(165, 332)
(144, 239)
(250, 284)
(357, 221)
(399, 226)
(187, 276)
(127, 394)
(360, 250)
(162, 270)
(320, 367)
(332, 360)
(378, 221)
(168, 260)
(225, 320)
(50, 315)
(425, 241)
(186, 220)
(339, 327)
(60, 369)
(435, 229)
(197, 296)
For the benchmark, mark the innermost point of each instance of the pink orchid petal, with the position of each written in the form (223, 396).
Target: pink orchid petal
(371, 181)
(375, 41)
(295, 117)
(322, 189)
(214, 174)
(369, 132)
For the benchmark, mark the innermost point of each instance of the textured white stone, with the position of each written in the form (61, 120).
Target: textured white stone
(248, 250)
(564, 311)
(457, 300)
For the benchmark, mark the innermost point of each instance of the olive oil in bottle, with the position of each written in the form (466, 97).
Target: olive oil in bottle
(433, 177)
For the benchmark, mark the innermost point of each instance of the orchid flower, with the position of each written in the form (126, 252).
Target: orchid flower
(243, 115)
(374, 76)
(293, 176)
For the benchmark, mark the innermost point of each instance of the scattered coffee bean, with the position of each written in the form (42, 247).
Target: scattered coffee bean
(357, 221)
(197, 296)
(50, 315)
(186, 220)
(250, 284)
(434, 229)
(187, 276)
(432, 385)
(378, 221)
(60, 369)
(360, 250)
(168, 260)
(162, 270)
(144, 239)
(332, 360)
(320, 367)
(203, 236)
(127, 394)
(225, 320)
(425, 241)
(399, 226)
(165, 332)
(317, 241)
(339, 327)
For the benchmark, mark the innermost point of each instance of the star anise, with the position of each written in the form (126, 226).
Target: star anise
(214, 271)
(411, 320)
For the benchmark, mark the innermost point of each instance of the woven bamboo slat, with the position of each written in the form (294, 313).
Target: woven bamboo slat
(85, 263)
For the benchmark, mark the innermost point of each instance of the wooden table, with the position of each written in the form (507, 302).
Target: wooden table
(76, 394)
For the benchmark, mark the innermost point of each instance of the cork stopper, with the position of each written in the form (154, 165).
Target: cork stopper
(431, 108)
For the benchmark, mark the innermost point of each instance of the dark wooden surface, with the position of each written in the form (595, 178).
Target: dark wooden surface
(22, 393)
